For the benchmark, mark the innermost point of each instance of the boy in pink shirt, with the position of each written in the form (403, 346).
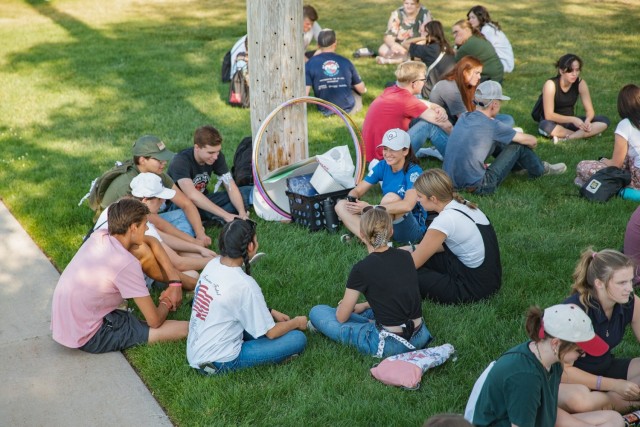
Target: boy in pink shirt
(100, 276)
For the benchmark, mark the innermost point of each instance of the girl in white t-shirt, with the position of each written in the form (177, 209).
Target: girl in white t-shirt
(231, 327)
(479, 18)
(626, 146)
(458, 260)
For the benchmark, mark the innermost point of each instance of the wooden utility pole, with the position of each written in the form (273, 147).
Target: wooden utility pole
(276, 75)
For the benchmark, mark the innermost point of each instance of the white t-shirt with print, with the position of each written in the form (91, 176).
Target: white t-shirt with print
(227, 302)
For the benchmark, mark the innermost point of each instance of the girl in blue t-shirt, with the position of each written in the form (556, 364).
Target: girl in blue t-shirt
(396, 173)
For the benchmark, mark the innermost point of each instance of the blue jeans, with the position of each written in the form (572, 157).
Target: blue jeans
(221, 199)
(420, 130)
(178, 219)
(408, 230)
(509, 157)
(506, 119)
(361, 332)
(262, 351)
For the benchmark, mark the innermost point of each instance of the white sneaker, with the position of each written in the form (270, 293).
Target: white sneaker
(518, 129)
(556, 139)
(312, 329)
(554, 169)
(429, 152)
(257, 257)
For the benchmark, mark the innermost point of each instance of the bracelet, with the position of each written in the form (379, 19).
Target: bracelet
(598, 382)
(175, 283)
(166, 305)
(413, 247)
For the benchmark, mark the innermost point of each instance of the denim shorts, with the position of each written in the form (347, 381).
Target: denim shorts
(120, 330)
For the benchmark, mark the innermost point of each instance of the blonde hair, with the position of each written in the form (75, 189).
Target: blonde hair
(596, 265)
(436, 182)
(376, 227)
(410, 71)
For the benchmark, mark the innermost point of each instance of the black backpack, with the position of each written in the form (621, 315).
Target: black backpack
(605, 184)
(226, 67)
(241, 169)
(239, 90)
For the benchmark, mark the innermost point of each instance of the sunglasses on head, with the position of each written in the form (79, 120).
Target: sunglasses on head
(368, 208)
(252, 223)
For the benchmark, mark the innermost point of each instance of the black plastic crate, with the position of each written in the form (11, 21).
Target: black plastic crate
(308, 211)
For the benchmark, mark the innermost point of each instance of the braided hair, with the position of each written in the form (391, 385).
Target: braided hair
(234, 240)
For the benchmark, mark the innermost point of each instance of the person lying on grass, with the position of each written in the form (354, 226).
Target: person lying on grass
(231, 327)
(603, 288)
(458, 260)
(84, 311)
(390, 321)
(186, 257)
(521, 387)
(397, 172)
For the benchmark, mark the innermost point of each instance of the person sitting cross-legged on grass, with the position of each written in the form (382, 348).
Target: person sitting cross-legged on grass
(521, 387)
(390, 321)
(603, 288)
(477, 135)
(231, 327)
(397, 172)
(458, 260)
(187, 257)
(84, 312)
(559, 97)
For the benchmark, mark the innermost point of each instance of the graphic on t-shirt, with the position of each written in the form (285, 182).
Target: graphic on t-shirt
(201, 302)
(200, 181)
(414, 176)
(330, 68)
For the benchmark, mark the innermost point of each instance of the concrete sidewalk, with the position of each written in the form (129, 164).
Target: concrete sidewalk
(41, 382)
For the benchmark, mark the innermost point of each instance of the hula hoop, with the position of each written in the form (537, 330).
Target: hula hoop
(348, 121)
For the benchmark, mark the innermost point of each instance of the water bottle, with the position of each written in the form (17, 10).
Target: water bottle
(331, 221)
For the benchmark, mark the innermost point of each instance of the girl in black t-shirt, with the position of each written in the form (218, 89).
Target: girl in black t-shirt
(390, 321)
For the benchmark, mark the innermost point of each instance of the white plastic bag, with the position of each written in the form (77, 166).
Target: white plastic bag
(339, 164)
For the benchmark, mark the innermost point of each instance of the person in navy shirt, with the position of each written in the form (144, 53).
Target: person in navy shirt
(333, 77)
(397, 172)
(603, 288)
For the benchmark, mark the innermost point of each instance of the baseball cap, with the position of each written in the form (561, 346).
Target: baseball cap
(150, 185)
(152, 146)
(490, 90)
(396, 139)
(569, 322)
(326, 37)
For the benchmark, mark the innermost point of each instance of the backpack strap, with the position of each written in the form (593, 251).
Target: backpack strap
(433, 65)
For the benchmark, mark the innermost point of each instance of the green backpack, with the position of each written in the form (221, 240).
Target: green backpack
(100, 184)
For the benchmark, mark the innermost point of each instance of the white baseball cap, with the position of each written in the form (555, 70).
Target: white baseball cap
(396, 139)
(150, 185)
(569, 322)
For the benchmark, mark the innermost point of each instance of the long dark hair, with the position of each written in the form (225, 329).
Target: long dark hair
(482, 14)
(234, 240)
(411, 159)
(435, 34)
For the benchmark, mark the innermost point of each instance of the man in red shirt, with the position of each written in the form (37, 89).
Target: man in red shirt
(398, 107)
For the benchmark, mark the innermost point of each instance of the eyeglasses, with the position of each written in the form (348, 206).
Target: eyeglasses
(420, 80)
(368, 208)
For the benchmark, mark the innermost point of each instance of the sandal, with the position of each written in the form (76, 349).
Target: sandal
(381, 60)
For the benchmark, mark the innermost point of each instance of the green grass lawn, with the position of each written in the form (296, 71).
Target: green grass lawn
(82, 79)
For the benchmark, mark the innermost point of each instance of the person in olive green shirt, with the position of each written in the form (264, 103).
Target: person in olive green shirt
(151, 155)
(470, 41)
